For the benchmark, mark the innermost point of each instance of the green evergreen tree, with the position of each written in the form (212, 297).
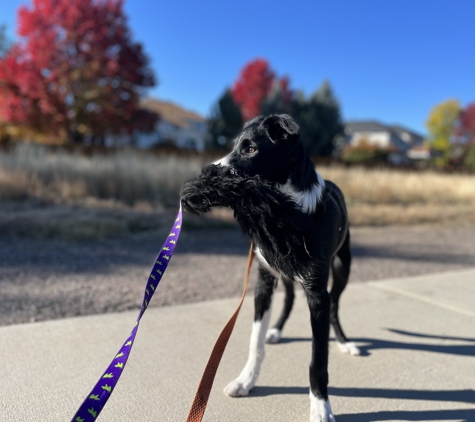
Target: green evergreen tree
(278, 99)
(225, 122)
(319, 119)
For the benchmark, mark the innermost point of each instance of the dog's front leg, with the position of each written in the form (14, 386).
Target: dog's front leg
(319, 304)
(262, 303)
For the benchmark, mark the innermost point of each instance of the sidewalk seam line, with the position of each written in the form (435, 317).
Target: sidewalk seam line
(422, 298)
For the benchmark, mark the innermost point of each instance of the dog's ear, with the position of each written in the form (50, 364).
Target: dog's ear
(280, 127)
(256, 120)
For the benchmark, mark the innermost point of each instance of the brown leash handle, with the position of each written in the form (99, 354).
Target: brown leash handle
(200, 401)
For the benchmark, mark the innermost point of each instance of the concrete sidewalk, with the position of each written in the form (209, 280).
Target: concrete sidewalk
(417, 336)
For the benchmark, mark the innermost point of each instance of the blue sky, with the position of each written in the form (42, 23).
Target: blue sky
(386, 60)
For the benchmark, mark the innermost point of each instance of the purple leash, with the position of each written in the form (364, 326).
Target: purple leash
(97, 398)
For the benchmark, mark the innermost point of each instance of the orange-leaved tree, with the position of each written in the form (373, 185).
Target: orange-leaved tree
(75, 71)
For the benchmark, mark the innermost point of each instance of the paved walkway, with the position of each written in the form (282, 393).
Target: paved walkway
(417, 335)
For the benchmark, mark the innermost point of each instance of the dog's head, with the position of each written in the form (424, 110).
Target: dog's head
(266, 147)
(264, 155)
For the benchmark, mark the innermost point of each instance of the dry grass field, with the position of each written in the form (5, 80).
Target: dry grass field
(72, 195)
(384, 196)
(126, 176)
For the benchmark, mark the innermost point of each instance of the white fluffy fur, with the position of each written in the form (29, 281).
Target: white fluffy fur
(248, 376)
(320, 410)
(307, 199)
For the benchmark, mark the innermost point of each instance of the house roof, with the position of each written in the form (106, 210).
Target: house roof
(364, 126)
(172, 113)
(401, 129)
(375, 126)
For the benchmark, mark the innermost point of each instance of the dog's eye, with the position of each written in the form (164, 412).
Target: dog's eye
(250, 150)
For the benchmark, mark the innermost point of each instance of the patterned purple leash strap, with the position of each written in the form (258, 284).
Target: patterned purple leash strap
(97, 398)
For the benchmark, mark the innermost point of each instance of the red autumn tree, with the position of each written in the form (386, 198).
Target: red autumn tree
(252, 87)
(76, 70)
(466, 126)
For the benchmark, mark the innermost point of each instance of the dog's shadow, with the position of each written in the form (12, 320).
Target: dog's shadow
(462, 415)
(457, 396)
(366, 345)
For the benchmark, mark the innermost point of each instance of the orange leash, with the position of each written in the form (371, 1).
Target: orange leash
(200, 401)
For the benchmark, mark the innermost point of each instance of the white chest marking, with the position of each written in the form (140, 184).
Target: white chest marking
(306, 199)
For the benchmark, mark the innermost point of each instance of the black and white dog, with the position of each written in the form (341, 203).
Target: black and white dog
(299, 225)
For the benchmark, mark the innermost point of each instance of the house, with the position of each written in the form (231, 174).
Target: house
(176, 126)
(404, 144)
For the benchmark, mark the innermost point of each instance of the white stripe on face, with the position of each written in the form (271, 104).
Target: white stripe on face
(222, 162)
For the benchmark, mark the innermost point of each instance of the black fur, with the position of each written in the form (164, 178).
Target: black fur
(268, 217)
(299, 245)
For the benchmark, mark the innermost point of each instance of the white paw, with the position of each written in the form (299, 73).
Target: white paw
(237, 388)
(348, 348)
(320, 410)
(273, 336)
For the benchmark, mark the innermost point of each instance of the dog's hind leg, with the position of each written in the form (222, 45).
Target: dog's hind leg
(262, 301)
(275, 333)
(341, 271)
